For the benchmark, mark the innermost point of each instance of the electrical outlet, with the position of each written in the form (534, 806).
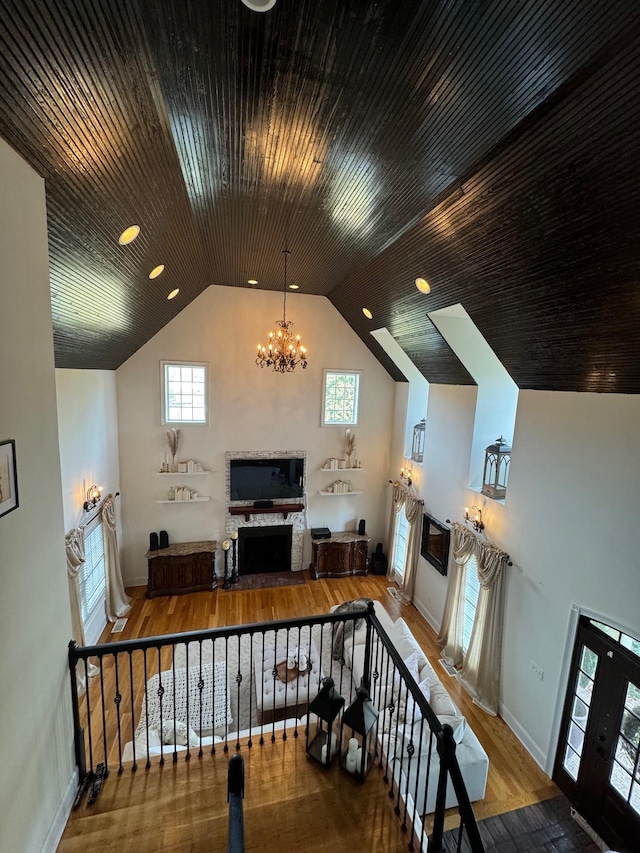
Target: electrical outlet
(538, 671)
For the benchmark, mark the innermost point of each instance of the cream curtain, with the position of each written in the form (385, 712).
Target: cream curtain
(480, 673)
(74, 542)
(397, 502)
(450, 637)
(118, 602)
(413, 512)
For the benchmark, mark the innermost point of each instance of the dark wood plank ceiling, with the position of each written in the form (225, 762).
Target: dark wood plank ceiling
(489, 145)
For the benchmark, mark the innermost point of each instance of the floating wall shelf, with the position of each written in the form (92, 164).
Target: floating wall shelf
(181, 473)
(339, 494)
(197, 500)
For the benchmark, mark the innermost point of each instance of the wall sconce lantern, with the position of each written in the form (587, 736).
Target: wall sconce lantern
(93, 497)
(322, 743)
(476, 521)
(417, 445)
(405, 475)
(357, 750)
(496, 470)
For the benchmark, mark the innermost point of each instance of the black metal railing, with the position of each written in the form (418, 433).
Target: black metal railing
(184, 694)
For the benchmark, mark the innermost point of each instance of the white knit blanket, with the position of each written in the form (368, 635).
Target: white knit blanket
(181, 699)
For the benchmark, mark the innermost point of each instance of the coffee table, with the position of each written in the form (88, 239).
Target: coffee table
(277, 700)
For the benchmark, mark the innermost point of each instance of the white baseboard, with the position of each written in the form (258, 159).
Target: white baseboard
(529, 744)
(52, 839)
(422, 610)
(137, 581)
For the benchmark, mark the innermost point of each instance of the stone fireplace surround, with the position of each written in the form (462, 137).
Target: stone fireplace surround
(270, 519)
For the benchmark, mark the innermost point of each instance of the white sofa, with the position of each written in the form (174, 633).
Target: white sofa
(473, 760)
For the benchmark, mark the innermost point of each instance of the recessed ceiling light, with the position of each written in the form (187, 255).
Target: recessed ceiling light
(156, 271)
(294, 287)
(367, 313)
(423, 285)
(174, 293)
(252, 281)
(129, 235)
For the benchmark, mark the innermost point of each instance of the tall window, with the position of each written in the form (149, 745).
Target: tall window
(471, 592)
(92, 577)
(184, 393)
(400, 545)
(340, 397)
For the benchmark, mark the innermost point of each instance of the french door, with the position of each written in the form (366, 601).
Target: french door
(598, 759)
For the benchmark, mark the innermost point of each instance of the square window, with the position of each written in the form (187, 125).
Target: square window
(340, 397)
(184, 393)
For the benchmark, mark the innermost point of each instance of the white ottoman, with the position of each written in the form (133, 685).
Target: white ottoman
(277, 700)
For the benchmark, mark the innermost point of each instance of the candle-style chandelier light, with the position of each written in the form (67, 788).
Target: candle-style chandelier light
(283, 350)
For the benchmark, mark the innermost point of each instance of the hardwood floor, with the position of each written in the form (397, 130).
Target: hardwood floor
(289, 802)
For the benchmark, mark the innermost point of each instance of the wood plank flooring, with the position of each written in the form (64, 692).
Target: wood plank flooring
(289, 802)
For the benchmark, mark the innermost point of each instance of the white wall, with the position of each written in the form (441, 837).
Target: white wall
(568, 524)
(251, 409)
(36, 772)
(88, 439)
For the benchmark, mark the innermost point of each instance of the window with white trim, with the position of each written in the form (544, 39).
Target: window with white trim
(340, 397)
(91, 576)
(184, 392)
(399, 552)
(471, 592)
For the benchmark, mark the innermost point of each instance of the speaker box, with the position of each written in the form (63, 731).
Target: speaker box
(153, 541)
(164, 539)
(361, 527)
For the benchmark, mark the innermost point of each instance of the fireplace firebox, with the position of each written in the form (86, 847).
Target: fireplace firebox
(264, 549)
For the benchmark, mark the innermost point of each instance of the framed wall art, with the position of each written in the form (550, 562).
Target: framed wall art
(8, 477)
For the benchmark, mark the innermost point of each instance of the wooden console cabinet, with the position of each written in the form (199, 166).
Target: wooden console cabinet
(181, 568)
(339, 556)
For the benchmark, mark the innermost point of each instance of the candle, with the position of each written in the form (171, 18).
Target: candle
(234, 534)
(353, 746)
(350, 763)
(359, 766)
(323, 754)
(226, 545)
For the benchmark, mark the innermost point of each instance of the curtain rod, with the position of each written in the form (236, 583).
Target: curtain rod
(97, 512)
(505, 556)
(406, 489)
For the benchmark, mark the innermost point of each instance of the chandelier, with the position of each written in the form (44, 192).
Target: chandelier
(283, 350)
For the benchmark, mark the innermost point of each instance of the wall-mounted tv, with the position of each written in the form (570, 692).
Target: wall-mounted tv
(265, 479)
(435, 543)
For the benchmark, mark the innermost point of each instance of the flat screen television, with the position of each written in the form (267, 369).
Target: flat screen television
(265, 479)
(435, 543)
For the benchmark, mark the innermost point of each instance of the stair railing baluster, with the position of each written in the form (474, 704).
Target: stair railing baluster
(134, 766)
(146, 706)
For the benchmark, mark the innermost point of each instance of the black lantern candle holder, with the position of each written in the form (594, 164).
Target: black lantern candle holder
(322, 741)
(227, 573)
(497, 458)
(234, 556)
(358, 736)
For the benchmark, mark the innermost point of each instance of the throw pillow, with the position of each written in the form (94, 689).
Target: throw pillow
(175, 731)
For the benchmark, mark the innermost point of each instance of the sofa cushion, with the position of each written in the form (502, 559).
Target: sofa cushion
(405, 642)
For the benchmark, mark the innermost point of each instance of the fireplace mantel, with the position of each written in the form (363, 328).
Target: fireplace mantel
(276, 509)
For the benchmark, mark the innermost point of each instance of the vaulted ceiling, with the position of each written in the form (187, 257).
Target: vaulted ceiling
(490, 146)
